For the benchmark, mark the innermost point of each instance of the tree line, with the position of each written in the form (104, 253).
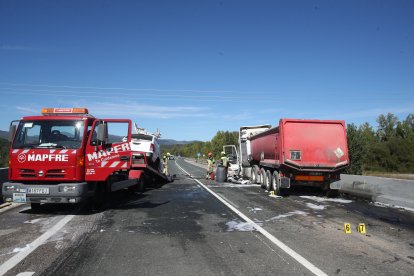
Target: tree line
(389, 148)
(215, 145)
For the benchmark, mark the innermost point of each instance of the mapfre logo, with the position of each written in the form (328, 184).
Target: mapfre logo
(21, 158)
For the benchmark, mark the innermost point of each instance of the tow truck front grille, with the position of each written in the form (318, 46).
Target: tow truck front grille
(27, 173)
(55, 174)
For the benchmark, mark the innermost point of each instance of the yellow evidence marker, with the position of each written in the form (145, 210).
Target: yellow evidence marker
(361, 228)
(272, 193)
(347, 228)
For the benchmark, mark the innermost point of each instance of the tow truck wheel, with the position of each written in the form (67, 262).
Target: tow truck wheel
(35, 206)
(263, 178)
(268, 181)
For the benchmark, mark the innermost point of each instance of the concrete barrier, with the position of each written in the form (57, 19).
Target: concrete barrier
(379, 189)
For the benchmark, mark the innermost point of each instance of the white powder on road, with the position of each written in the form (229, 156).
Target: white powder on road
(18, 249)
(300, 213)
(240, 226)
(34, 220)
(324, 199)
(316, 206)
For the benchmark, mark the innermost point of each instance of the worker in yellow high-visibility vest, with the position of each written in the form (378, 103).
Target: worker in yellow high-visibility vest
(210, 165)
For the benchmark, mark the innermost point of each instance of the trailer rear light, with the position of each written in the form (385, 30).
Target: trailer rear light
(318, 178)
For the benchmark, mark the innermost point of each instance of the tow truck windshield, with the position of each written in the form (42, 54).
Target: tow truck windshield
(66, 134)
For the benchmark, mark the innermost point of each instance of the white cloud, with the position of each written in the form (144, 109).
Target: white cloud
(28, 110)
(144, 110)
(15, 48)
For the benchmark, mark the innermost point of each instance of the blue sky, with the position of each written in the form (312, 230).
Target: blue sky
(191, 68)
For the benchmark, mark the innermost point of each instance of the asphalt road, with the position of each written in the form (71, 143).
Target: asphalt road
(182, 229)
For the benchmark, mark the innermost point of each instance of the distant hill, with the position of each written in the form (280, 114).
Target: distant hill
(162, 142)
(4, 134)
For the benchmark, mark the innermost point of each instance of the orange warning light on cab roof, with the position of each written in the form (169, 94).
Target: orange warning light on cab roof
(76, 110)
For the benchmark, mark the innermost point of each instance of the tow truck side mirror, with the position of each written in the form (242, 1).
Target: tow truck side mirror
(12, 131)
(103, 133)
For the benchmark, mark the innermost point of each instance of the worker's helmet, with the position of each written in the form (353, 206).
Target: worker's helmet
(223, 153)
(164, 156)
(210, 154)
(168, 154)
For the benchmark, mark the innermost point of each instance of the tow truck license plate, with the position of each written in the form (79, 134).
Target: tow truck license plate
(41, 191)
(19, 197)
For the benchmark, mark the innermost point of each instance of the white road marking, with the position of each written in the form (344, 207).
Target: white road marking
(12, 206)
(13, 261)
(308, 265)
(25, 273)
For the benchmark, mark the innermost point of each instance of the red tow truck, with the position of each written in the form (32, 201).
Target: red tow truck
(67, 156)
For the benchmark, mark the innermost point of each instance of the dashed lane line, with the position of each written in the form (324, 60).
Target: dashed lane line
(308, 265)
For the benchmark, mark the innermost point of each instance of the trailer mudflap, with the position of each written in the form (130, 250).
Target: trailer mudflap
(284, 182)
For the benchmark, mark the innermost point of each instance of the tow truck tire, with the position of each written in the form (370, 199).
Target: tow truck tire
(35, 206)
(263, 178)
(268, 181)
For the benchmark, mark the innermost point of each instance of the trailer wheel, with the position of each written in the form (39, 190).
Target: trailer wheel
(276, 184)
(254, 178)
(268, 181)
(263, 178)
(275, 180)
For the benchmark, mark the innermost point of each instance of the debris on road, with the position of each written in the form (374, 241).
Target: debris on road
(238, 180)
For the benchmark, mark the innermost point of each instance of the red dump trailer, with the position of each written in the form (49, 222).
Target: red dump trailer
(297, 152)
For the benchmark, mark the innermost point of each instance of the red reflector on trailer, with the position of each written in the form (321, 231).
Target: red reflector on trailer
(309, 178)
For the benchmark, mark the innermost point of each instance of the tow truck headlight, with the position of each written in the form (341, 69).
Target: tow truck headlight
(68, 188)
(10, 188)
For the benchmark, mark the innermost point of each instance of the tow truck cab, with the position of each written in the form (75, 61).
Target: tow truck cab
(58, 157)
